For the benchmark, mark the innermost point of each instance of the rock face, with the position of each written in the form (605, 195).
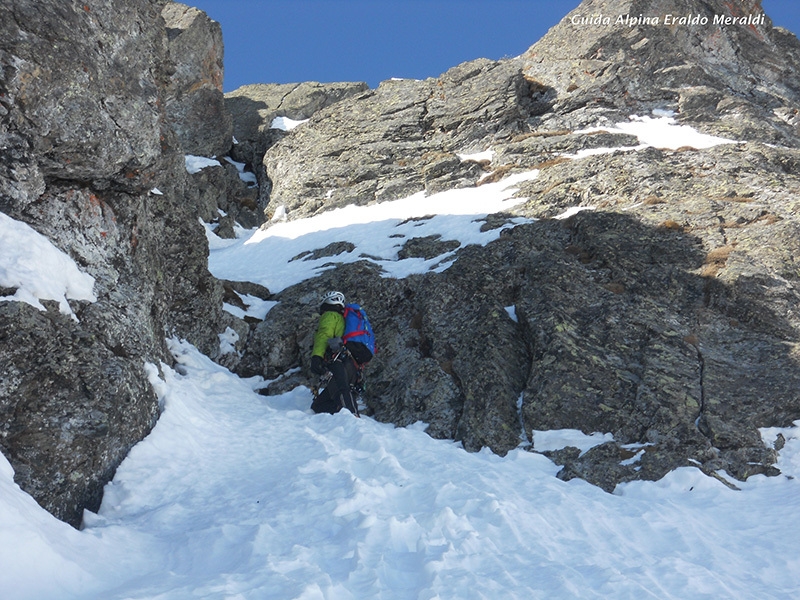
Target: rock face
(195, 103)
(735, 79)
(666, 315)
(399, 139)
(255, 107)
(89, 159)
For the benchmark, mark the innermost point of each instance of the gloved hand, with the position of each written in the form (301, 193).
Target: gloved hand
(335, 344)
(317, 365)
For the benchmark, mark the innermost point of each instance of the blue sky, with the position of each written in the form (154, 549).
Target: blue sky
(287, 41)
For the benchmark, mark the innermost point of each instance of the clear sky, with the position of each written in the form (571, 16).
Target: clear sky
(287, 41)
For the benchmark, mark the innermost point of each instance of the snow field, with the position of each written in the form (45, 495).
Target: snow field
(236, 495)
(377, 231)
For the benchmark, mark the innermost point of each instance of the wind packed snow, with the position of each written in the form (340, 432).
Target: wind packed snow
(32, 265)
(659, 132)
(574, 210)
(239, 496)
(486, 155)
(247, 176)
(512, 313)
(256, 307)
(195, 164)
(663, 132)
(544, 441)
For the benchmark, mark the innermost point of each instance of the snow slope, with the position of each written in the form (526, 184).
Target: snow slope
(270, 256)
(239, 496)
(236, 495)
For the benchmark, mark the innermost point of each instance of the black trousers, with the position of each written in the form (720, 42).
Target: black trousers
(337, 393)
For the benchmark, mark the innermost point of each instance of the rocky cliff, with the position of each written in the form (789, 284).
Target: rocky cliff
(89, 159)
(665, 315)
(195, 105)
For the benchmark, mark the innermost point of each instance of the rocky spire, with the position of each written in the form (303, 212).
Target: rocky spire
(195, 103)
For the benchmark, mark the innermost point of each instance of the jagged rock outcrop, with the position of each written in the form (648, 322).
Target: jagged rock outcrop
(196, 111)
(666, 315)
(255, 107)
(402, 138)
(694, 289)
(89, 160)
(226, 197)
(195, 103)
(737, 79)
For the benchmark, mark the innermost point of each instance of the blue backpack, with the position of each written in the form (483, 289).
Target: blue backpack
(358, 336)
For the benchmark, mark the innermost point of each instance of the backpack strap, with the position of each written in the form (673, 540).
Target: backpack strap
(349, 336)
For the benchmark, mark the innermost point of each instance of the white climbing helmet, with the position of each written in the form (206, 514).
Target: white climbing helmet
(333, 297)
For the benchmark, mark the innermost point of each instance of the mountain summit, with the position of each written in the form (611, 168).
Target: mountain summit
(708, 60)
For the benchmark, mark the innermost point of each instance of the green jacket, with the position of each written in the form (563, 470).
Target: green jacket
(331, 325)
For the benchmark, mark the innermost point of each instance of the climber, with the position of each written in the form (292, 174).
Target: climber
(330, 355)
